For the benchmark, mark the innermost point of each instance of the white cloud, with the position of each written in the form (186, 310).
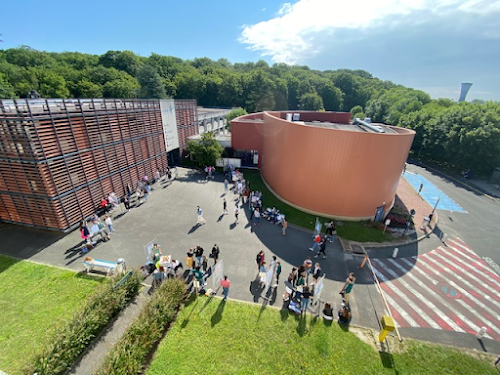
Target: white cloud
(290, 36)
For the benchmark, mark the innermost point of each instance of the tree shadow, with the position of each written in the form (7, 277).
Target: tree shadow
(217, 316)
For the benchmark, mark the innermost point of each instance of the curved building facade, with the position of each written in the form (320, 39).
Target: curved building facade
(324, 165)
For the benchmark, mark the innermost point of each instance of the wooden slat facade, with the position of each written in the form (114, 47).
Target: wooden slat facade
(59, 158)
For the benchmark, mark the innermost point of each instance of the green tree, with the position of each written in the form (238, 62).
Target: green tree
(333, 97)
(237, 112)
(87, 89)
(311, 101)
(125, 87)
(6, 89)
(151, 83)
(206, 151)
(126, 61)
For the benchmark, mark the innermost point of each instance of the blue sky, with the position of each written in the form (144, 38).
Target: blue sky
(432, 45)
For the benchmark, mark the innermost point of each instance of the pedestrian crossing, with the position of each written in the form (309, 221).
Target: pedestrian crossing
(449, 288)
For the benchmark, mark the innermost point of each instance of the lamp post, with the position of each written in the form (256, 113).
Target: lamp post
(412, 213)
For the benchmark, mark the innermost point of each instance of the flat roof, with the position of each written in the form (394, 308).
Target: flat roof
(349, 127)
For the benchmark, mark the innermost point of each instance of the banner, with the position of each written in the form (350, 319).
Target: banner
(217, 274)
(167, 109)
(317, 226)
(269, 278)
(318, 289)
(147, 250)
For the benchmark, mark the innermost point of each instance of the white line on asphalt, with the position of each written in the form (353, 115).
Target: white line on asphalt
(468, 296)
(463, 280)
(402, 312)
(419, 295)
(478, 261)
(490, 287)
(408, 301)
(442, 301)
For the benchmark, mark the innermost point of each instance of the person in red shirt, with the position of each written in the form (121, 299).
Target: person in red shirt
(225, 284)
(316, 242)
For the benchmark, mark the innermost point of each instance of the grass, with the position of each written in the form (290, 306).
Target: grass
(213, 337)
(349, 230)
(34, 299)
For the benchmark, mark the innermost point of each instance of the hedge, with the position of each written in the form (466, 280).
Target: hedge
(71, 340)
(129, 355)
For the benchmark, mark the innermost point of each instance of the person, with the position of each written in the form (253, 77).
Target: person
(304, 299)
(346, 290)
(199, 254)
(226, 184)
(236, 213)
(293, 276)
(301, 282)
(204, 264)
(201, 220)
(317, 240)
(328, 311)
(322, 249)
(224, 206)
(316, 272)
(105, 204)
(158, 277)
(260, 259)
(284, 225)
(308, 264)
(198, 276)
(256, 217)
(189, 259)
(344, 314)
(278, 272)
(225, 284)
(155, 253)
(109, 223)
(126, 203)
(215, 253)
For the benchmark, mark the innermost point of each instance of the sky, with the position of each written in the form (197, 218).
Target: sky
(431, 45)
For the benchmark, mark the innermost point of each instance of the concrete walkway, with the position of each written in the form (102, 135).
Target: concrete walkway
(169, 218)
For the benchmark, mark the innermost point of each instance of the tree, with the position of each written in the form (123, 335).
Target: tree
(233, 114)
(311, 101)
(6, 89)
(206, 151)
(125, 87)
(333, 97)
(151, 83)
(87, 89)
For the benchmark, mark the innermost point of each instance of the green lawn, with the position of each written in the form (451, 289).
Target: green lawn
(33, 300)
(354, 231)
(212, 337)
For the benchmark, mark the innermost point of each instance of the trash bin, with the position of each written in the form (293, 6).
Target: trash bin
(121, 267)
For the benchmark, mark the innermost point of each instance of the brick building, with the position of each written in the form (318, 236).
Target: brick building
(59, 158)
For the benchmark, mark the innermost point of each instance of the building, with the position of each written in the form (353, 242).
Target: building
(323, 164)
(59, 158)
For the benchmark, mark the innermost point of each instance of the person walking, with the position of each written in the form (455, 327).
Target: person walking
(317, 240)
(201, 220)
(224, 206)
(278, 273)
(225, 284)
(236, 213)
(346, 290)
(109, 223)
(284, 225)
(204, 264)
(322, 249)
(215, 253)
(226, 186)
(256, 217)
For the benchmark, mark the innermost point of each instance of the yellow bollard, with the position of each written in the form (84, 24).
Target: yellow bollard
(387, 326)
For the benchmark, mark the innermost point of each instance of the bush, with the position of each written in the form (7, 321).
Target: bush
(71, 340)
(129, 355)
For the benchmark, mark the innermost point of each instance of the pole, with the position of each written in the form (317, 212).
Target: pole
(379, 288)
(437, 202)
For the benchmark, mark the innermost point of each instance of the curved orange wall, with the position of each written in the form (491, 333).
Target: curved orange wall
(332, 172)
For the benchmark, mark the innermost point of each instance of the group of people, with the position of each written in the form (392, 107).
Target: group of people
(90, 229)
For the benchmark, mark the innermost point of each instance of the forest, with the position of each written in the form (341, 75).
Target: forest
(460, 135)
